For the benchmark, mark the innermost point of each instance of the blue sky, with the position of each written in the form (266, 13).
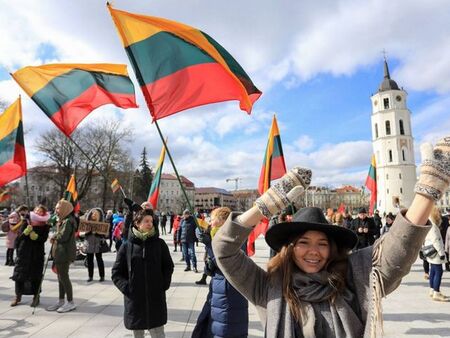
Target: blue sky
(316, 63)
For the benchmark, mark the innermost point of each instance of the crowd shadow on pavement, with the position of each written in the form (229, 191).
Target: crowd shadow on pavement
(427, 332)
(427, 317)
(15, 329)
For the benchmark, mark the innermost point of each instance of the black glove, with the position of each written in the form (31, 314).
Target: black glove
(132, 206)
(442, 258)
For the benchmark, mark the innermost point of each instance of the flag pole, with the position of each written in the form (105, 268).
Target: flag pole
(92, 162)
(176, 171)
(27, 191)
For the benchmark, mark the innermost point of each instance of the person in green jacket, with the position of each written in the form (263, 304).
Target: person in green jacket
(63, 252)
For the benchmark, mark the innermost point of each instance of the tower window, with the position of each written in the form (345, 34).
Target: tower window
(386, 103)
(388, 128)
(403, 155)
(376, 130)
(390, 155)
(402, 129)
(387, 176)
(401, 191)
(400, 176)
(387, 191)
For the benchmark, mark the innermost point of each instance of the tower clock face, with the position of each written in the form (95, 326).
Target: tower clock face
(398, 98)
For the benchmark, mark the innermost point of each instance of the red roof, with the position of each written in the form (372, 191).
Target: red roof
(185, 181)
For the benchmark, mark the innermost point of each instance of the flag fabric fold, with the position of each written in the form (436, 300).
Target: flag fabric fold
(13, 163)
(71, 194)
(5, 195)
(273, 168)
(153, 194)
(180, 67)
(115, 185)
(341, 208)
(371, 184)
(67, 93)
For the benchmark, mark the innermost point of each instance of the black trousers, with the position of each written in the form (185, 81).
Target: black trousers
(9, 256)
(100, 264)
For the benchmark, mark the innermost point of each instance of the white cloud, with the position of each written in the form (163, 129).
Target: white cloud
(285, 42)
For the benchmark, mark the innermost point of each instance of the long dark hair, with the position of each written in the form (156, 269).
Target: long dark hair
(283, 263)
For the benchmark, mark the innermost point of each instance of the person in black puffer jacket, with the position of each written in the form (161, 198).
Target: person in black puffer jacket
(143, 272)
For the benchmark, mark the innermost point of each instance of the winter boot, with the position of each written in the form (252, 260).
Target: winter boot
(16, 300)
(35, 301)
(202, 281)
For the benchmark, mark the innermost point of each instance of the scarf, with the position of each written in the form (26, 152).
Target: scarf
(213, 231)
(143, 236)
(321, 317)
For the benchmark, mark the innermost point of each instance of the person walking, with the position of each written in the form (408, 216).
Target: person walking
(142, 272)
(365, 229)
(186, 235)
(64, 252)
(316, 286)
(436, 260)
(225, 312)
(163, 222)
(30, 245)
(93, 246)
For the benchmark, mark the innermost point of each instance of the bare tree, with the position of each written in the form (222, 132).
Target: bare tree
(101, 142)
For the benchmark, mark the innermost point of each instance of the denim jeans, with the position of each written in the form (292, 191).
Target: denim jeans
(435, 276)
(189, 254)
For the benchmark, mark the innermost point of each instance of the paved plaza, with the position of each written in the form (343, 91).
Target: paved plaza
(407, 313)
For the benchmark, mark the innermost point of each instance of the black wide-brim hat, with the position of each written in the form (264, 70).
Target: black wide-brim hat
(307, 219)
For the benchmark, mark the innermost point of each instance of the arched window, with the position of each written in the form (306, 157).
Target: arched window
(402, 129)
(388, 128)
(376, 130)
(390, 155)
(403, 155)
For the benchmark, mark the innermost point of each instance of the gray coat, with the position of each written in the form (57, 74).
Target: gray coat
(93, 242)
(395, 255)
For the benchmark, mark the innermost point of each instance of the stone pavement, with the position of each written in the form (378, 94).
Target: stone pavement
(408, 312)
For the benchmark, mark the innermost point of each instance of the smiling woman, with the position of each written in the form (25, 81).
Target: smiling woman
(316, 286)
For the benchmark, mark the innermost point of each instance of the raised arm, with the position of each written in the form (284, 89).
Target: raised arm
(247, 277)
(401, 245)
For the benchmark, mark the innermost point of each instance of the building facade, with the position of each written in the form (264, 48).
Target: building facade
(324, 197)
(245, 198)
(171, 197)
(209, 198)
(393, 146)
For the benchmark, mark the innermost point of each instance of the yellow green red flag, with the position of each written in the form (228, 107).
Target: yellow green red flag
(180, 67)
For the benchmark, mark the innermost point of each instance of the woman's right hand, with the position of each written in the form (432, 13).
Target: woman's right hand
(286, 191)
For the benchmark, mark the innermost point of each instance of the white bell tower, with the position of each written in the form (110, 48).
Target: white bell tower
(393, 146)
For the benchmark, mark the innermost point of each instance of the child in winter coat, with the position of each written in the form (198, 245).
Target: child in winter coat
(13, 223)
(143, 272)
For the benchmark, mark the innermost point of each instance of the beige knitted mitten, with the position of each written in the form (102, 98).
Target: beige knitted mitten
(288, 190)
(435, 169)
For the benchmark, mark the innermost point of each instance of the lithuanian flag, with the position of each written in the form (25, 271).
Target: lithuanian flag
(67, 93)
(180, 67)
(71, 194)
(371, 184)
(154, 189)
(273, 166)
(4, 195)
(13, 163)
(115, 185)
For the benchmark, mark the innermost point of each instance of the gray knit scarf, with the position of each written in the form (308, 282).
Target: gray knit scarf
(322, 318)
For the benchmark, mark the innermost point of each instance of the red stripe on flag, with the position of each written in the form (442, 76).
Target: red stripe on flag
(153, 199)
(74, 111)
(190, 87)
(14, 168)
(278, 168)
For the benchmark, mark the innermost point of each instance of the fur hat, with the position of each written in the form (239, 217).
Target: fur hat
(100, 211)
(307, 219)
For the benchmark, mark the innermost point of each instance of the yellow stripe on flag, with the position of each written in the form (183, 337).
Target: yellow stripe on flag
(10, 119)
(32, 79)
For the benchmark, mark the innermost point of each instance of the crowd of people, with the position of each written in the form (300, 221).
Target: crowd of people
(326, 276)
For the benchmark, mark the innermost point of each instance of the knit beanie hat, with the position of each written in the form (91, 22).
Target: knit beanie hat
(65, 208)
(13, 218)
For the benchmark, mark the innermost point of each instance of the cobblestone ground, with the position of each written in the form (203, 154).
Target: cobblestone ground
(408, 312)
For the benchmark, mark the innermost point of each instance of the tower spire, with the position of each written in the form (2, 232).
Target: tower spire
(387, 83)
